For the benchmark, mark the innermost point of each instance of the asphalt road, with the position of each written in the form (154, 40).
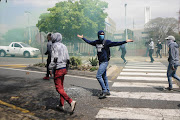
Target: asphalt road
(27, 90)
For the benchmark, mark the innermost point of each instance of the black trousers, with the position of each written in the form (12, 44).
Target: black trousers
(158, 52)
(47, 66)
(150, 54)
(123, 55)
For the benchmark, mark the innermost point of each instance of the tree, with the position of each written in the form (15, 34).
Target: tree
(159, 28)
(72, 18)
(14, 35)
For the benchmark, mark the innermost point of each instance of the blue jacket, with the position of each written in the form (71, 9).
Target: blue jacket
(103, 51)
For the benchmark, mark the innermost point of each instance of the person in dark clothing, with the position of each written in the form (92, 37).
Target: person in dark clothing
(123, 53)
(48, 52)
(159, 47)
(173, 61)
(103, 53)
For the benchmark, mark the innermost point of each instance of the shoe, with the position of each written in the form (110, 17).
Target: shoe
(73, 105)
(108, 93)
(168, 88)
(60, 107)
(125, 62)
(46, 78)
(102, 95)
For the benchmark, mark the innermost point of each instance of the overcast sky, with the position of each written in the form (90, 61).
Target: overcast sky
(12, 14)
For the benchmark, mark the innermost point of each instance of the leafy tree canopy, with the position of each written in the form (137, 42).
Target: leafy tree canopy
(71, 18)
(159, 28)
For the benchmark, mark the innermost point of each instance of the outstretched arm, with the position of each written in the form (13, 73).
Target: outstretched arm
(87, 41)
(111, 44)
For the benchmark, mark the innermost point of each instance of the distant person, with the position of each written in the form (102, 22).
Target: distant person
(173, 61)
(123, 52)
(147, 48)
(103, 53)
(159, 48)
(151, 50)
(59, 62)
(48, 52)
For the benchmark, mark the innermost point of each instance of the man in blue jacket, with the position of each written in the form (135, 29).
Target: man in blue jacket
(173, 60)
(103, 53)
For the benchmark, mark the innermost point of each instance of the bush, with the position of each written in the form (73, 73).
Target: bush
(75, 61)
(93, 61)
(93, 68)
(40, 64)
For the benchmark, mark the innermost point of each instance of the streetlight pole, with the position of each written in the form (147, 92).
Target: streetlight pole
(29, 26)
(126, 37)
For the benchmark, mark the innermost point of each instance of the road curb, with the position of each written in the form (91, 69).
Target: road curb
(110, 70)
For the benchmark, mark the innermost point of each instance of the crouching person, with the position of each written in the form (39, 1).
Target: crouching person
(59, 60)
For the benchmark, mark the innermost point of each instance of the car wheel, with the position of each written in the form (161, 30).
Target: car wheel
(26, 54)
(2, 53)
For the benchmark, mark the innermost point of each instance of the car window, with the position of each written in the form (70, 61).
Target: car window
(25, 45)
(12, 45)
(17, 45)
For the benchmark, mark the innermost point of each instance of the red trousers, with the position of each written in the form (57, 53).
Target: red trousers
(58, 80)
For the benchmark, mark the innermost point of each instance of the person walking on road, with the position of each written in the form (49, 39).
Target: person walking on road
(59, 62)
(48, 52)
(159, 47)
(103, 53)
(123, 52)
(173, 60)
(151, 50)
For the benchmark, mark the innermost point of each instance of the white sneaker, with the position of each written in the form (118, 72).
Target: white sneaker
(60, 107)
(73, 105)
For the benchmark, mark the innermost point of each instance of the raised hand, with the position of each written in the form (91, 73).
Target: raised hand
(129, 40)
(80, 36)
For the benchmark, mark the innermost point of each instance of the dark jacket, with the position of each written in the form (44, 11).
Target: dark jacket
(103, 50)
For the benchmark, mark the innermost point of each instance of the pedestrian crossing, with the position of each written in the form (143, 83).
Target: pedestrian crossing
(144, 75)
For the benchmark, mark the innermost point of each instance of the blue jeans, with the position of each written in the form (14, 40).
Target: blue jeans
(172, 73)
(101, 76)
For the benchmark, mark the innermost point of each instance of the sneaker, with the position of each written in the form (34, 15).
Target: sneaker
(168, 88)
(102, 95)
(108, 93)
(46, 78)
(125, 62)
(73, 105)
(60, 107)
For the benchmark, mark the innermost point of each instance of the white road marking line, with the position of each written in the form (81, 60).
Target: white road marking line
(142, 78)
(144, 70)
(147, 95)
(143, 64)
(143, 74)
(132, 84)
(138, 113)
(45, 72)
(143, 67)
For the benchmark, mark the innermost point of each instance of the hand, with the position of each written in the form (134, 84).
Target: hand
(80, 36)
(129, 40)
(55, 60)
(173, 68)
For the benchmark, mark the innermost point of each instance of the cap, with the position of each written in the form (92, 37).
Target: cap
(170, 38)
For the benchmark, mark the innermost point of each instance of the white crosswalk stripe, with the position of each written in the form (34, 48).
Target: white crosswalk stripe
(142, 78)
(139, 113)
(133, 84)
(142, 75)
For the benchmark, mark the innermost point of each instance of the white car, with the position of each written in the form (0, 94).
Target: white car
(19, 49)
